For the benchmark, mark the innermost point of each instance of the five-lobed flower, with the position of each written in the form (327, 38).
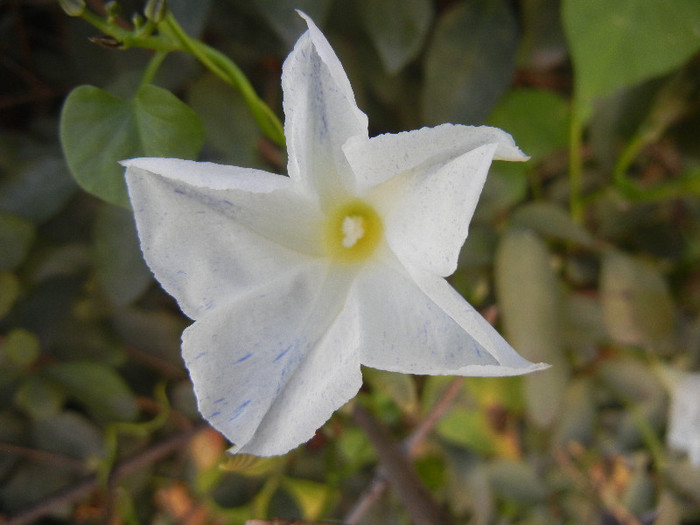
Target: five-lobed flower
(294, 282)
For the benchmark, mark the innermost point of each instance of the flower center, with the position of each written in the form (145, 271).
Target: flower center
(352, 232)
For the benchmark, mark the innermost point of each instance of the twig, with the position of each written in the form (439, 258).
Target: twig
(44, 456)
(399, 471)
(85, 486)
(410, 445)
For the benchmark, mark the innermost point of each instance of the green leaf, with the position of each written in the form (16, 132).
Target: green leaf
(16, 237)
(119, 264)
(550, 220)
(469, 428)
(470, 61)
(401, 388)
(311, 496)
(577, 416)
(69, 434)
(36, 189)
(617, 44)
(38, 397)
(97, 387)
(20, 348)
(397, 29)
(505, 186)
(9, 291)
(516, 480)
(538, 120)
(98, 130)
(530, 302)
(231, 129)
(637, 305)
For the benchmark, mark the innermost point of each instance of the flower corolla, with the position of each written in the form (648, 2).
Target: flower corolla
(294, 282)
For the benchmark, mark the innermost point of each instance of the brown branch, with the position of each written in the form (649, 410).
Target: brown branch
(400, 473)
(84, 487)
(43, 456)
(410, 445)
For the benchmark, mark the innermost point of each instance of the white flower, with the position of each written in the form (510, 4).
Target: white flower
(684, 424)
(294, 282)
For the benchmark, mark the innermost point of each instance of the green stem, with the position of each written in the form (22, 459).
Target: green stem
(127, 38)
(229, 72)
(152, 67)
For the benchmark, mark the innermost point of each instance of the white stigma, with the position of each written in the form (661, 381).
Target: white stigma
(353, 230)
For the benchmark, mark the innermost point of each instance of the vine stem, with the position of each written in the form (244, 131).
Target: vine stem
(84, 487)
(409, 449)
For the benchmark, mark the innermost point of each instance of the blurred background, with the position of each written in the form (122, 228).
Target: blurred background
(585, 257)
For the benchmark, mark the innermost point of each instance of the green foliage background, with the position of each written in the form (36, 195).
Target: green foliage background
(586, 257)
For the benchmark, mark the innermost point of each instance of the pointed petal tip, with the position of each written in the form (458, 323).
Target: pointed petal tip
(499, 370)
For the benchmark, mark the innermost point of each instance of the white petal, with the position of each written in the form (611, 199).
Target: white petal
(208, 246)
(320, 116)
(404, 329)
(271, 369)
(384, 156)
(426, 211)
(454, 305)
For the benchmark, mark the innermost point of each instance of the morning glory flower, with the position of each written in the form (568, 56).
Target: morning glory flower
(294, 282)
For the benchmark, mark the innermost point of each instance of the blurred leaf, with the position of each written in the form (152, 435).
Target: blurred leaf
(36, 189)
(469, 428)
(578, 414)
(355, 448)
(637, 305)
(639, 495)
(505, 186)
(685, 478)
(397, 29)
(20, 348)
(98, 130)
(191, 15)
(530, 302)
(97, 387)
(470, 62)
(30, 483)
(156, 332)
(119, 263)
(630, 379)
(550, 220)
(514, 480)
(542, 45)
(70, 434)
(66, 259)
(230, 127)
(282, 16)
(310, 495)
(642, 395)
(469, 486)
(249, 465)
(38, 397)
(16, 237)
(401, 388)
(583, 328)
(617, 117)
(537, 119)
(642, 39)
(9, 291)
(501, 392)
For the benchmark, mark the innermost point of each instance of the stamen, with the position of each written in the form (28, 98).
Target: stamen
(353, 230)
